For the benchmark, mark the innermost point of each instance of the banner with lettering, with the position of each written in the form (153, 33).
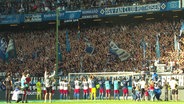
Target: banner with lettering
(72, 16)
(129, 9)
(174, 5)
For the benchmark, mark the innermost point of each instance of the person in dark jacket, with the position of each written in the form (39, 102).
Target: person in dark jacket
(8, 84)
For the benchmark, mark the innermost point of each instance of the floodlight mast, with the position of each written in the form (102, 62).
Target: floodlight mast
(57, 40)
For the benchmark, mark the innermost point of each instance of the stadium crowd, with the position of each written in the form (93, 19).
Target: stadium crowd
(36, 49)
(40, 6)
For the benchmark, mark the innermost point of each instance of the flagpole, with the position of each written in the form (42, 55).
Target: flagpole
(57, 40)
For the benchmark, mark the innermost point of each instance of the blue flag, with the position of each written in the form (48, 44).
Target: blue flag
(157, 48)
(11, 50)
(3, 45)
(68, 48)
(143, 46)
(182, 28)
(78, 33)
(89, 48)
(176, 43)
(2, 55)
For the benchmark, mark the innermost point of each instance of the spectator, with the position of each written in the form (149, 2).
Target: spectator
(173, 85)
(40, 6)
(38, 49)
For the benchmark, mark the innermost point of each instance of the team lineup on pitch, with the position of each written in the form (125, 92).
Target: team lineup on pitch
(96, 88)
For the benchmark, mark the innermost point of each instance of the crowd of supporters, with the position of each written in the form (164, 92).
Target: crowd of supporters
(36, 48)
(40, 6)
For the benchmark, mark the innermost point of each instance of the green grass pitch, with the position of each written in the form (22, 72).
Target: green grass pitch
(97, 102)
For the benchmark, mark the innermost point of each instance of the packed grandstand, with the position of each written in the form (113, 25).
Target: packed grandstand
(36, 48)
(91, 45)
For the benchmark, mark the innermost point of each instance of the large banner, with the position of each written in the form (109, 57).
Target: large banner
(174, 5)
(10, 19)
(130, 9)
(33, 18)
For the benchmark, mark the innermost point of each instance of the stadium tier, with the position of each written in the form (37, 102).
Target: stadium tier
(106, 47)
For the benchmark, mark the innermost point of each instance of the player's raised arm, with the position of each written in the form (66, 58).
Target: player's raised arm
(45, 74)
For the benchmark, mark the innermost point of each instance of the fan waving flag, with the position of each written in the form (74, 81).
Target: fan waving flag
(157, 48)
(182, 29)
(121, 53)
(78, 33)
(3, 46)
(89, 48)
(143, 46)
(67, 42)
(2, 55)
(11, 51)
(176, 43)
